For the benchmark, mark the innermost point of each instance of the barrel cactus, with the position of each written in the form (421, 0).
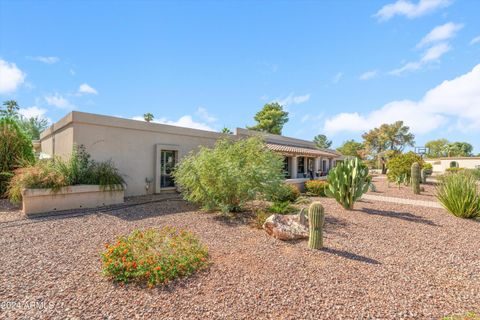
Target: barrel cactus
(316, 219)
(348, 181)
(415, 177)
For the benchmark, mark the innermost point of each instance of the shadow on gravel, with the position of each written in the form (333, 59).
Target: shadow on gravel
(351, 256)
(399, 215)
(135, 212)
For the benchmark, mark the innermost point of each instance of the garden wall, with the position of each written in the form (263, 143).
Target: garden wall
(73, 197)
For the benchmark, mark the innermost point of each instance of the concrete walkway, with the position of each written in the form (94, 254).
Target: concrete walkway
(421, 203)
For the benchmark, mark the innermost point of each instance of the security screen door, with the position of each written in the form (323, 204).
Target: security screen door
(167, 163)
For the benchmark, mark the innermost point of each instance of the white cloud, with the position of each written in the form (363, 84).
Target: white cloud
(85, 88)
(409, 9)
(292, 99)
(47, 60)
(431, 55)
(369, 75)
(336, 79)
(475, 40)
(453, 101)
(10, 77)
(59, 101)
(33, 112)
(440, 33)
(203, 113)
(184, 121)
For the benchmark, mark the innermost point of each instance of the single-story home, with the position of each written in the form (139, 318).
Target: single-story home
(441, 164)
(146, 152)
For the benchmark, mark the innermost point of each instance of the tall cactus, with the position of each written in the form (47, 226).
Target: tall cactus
(423, 176)
(348, 181)
(415, 176)
(316, 219)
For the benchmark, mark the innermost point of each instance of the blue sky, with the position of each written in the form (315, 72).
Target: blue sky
(340, 67)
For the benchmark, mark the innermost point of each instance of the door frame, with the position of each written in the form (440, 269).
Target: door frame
(158, 154)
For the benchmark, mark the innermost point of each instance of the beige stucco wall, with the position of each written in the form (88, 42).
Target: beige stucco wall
(441, 164)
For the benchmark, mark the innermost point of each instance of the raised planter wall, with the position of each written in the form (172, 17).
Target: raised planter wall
(37, 201)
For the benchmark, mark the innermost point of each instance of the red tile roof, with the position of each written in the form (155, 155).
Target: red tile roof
(298, 151)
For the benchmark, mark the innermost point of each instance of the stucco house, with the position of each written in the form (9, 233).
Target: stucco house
(441, 164)
(145, 153)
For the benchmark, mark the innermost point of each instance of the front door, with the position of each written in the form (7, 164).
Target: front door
(167, 164)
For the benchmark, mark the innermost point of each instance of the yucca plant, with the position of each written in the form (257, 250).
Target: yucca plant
(458, 193)
(348, 181)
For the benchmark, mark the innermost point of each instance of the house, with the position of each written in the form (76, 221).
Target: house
(146, 153)
(441, 164)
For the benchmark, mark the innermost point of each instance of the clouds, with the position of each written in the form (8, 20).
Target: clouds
(440, 33)
(336, 79)
(185, 121)
(368, 75)
(11, 77)
(293, 99)
(203, 113)
(409, 9)
(47, 60)
(86, 89)
(59, 101)
(454, 102)
(475, 40)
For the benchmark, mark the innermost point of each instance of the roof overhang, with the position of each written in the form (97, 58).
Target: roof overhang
(298, 151)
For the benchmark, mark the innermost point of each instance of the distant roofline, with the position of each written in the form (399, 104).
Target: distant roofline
(452, 158)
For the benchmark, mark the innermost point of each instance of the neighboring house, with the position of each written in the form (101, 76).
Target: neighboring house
(146, 153)
(441, 164)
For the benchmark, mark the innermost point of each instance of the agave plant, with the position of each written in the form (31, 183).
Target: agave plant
(348, 181)
(458, 193)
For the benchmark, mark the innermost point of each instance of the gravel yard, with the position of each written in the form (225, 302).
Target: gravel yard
(391, 190)
(382, 261)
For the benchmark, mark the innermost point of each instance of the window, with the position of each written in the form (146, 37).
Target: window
(453, 164)
(286, 167)
(167, 163)
(324, 165)
(301, 165)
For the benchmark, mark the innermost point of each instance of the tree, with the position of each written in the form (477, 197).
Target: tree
(270, 119)
(437, 148)
(351, 148)
(33, 126)
(148, 117)
(10, 109)
(394, 137)
(230, 174)
(458, 149)
(226, 130)
(322, 141)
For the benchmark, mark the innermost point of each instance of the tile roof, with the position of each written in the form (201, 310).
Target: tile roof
(299, 151)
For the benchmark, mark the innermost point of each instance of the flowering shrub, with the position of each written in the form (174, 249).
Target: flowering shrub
(154, 256)
(283, 193)
(316, 187)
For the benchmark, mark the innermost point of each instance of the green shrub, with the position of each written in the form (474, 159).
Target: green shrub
(348, 181)
(459, 195)
(283, 193)
(316, 187)
(474, 172)
(259, 219)
(428, 167)
(465, 316)
(5, 178)
(454, 169)
(281, 207)
(230, 174)
(401, 165)
(154, 257)
(57, 173)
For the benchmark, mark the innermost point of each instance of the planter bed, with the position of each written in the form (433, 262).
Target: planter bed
(36, 201)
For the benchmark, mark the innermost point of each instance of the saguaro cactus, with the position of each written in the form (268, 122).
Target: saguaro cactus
(423, 175)
(316, 219)
(415, 176)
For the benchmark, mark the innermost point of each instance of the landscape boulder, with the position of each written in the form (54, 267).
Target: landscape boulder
(287, 227)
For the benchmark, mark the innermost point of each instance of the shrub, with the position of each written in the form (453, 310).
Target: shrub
(259, 219)
(459, 195)
(281, 207)
(428, 167)
(57, 173)
(230, 174)
(283, 193)
(474, 172)
(348, 181)
(401, 165)
(154, 256)
(454, 169)
(465, 316)
(5, 178)
(316, 187)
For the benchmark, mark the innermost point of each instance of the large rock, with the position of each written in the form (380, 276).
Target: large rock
(287, 227)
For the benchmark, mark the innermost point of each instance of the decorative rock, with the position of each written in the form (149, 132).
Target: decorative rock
(287, 227)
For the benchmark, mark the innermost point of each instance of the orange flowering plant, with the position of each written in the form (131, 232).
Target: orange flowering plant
(316, 187)
(154, 256)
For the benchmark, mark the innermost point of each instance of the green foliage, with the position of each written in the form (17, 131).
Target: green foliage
(270, 119)
(395, 136)
(16, 148)
(474, 172)
(230, 174)
(465, 316)
(226, 130)
(316, 187)
(437, 148)
(454, 169)
(259, 219)
(153, 256)
(348, 181)
(281, 207)
(401, 179)
(284, 192)
(322, 142)
(415, 177)
(57, 173)
(428, 167)
(316, 220)
(351, 148)
(458, 149)
(5, 178)
(401, 165)
(9, 110)
(148, 117)
(33, 126)
(458, 193)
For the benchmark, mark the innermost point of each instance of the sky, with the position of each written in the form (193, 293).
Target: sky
(340, 68)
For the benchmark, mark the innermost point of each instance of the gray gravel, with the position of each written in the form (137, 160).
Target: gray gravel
(382, 261)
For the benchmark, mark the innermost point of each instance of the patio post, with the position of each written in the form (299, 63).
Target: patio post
(294, 167)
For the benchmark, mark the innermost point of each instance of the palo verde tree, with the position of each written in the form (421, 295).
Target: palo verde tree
(388, 137)
(351, 148)
(322, 142)
(270, 119)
